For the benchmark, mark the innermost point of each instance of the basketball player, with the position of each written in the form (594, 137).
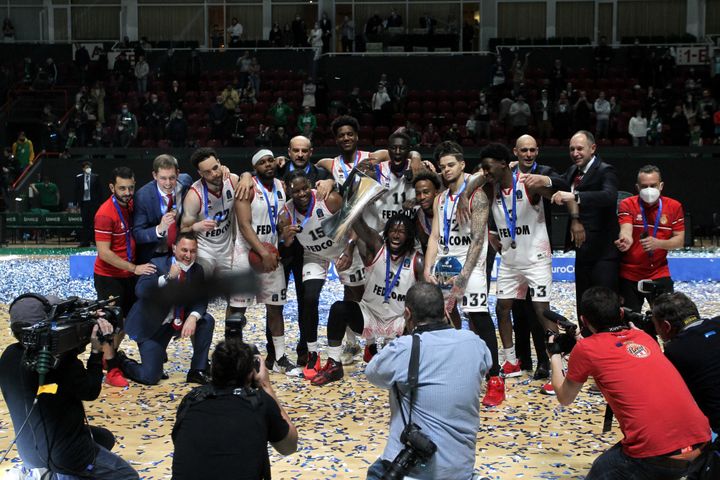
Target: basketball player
(257, 219)
(301, 220)
(427, 185)
(393, 266)
(459, 250)
(208, 211)
(519, 215)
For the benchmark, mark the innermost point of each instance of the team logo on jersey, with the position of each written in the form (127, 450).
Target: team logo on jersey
(663, 220)
(637, 350)
(518, 194)
(638, 218)
(406, 263)
(320, 213)
(229, 194)
(279, 194)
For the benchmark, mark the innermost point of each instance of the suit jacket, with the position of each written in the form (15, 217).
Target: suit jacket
(144, 320)
(147, 216)
(598, 192)
(95, 193)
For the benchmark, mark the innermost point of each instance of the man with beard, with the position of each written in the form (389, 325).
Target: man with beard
(257, 221)
(427, 185)
(393, 266)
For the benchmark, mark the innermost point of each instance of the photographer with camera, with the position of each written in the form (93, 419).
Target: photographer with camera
(222, 429)
(47, 409)
(664, 430)
(434, 377)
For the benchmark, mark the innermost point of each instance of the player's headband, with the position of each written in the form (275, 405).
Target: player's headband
(260, 154)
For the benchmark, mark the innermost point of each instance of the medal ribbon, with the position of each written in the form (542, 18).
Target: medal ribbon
(219, 215)
(272, 209)
(308, 213)
(389, 285)
(342, 163)
(126, 227)
(447, 219)
(511, 220)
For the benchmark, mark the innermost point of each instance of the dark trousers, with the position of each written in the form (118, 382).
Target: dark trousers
(294, 266)
(343, 314)
(615, 465)
(525, 324)
(87, 212)
(597, 273)
(116, 287)
(153, 352)
(634, 300)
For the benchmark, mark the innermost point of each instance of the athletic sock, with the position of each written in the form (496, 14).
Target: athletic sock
(279, 344)
(312, 346)
(351, 336)
(334, 352)
(509, 354)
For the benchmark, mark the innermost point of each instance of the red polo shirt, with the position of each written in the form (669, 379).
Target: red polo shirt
(636, 264)
(109, 228)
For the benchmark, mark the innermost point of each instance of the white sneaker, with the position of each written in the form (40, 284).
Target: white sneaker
(349, 353)
(284, 365)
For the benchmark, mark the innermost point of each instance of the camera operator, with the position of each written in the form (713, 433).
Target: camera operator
(56, 436)
(664, 430)
(222, 429)
(650, 225)
(444, 404)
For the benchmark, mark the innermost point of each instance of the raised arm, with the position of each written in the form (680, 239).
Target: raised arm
(369, 241)
(432, 246)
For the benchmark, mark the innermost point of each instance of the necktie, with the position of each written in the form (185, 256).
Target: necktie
(172, 229)
(86, 190)
(578, 179)
(179, 311)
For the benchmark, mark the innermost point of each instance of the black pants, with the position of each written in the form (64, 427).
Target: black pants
(343, 314)
(525, 324)
(87, 212)
(633, 299)
(116, 287)
(598, 273)
(294, 265)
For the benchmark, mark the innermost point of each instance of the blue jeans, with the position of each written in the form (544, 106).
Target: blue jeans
(107, 466)
(376, 470)
(153, 351)
(615, 465)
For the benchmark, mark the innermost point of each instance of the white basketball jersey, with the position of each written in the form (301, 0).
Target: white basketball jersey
(341, 170)
(312, 237)
(459, 237)
(391, 202)
(532, 245)
(375, 285)
(218, 207)
(261, 212)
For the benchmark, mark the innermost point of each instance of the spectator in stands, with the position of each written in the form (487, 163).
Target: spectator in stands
(689, 107)
(413, 133)
(194, 70)
(218, 117)
(307, 119)
(49, 124)
(47, 193)
(230, 98)
(638, 129)
(380, 103)
(299, 31)
(10, 169)
(615, 116)
(452, 134)
(428, 22)
(327, 28)
(262, 139)
(518, 72)
(216, 36)
(315, 41)
(142, 70)
(679, 128)
(399, 95)
(71, 141)
(235, 31)
(237, 128)
(347, 34)
(280, 112)
(394, 20)
(557, 78)
(468, 35)
(121, 71)
(98, 138)
(519, 117)
(176, 129)
(287, 35)
(543, 115)
(308, 90)
(482, 116)
(82, 62)
(354, 103)
(98, 95)
(126, 127)
(243, 65)
(275, 36)
(154, 117)
(696, 139)
(248, 94)
(498, 73)
(602, 116)
(254, 74)
(279, 138)
(602, 55)
(168, 67)
(8, 30)
(430, 137)
(654, 129)
(29, 70)
(666, 67)
(581, 112)
(471, 126)
(561, 121)
(707, 101)
(373, 26)
(23, 151)
(52, 71)
(706, 124)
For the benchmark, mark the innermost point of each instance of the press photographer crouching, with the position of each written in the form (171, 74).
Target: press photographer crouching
(435, 378)
(664, 430)
(44, 384)
(222, 428)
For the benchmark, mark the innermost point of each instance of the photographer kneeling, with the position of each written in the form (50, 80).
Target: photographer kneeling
(664, 430)
(435, 378)
(56, 436)
(222, 428)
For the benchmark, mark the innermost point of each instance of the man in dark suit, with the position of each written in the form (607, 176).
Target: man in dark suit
(153, 331)
(589, 189)
(88, 198)
(158, 207)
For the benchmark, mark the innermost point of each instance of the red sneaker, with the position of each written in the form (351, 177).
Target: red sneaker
(495, 393)
(313, 366)
(115, 378)
(370, 351)
(547, 389)
(510, 370)
(331, 372)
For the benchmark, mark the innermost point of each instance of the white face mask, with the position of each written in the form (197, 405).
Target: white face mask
(88, 170)
(184, 267)
(649, 195)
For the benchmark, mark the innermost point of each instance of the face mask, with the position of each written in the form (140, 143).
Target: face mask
(184, 267)
(88, 170)
(649, 195)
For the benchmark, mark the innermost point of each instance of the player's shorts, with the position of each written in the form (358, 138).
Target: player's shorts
(475, 298)
(380, 328)
(513, 282)
(316, 268)
(214, 260)
(273, 290)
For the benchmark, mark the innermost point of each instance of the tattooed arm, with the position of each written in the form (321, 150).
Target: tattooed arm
(478, 222)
